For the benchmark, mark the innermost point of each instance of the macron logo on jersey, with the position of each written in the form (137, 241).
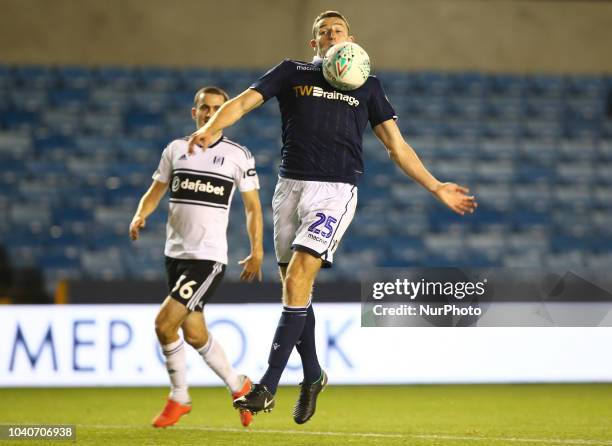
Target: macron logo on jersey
(308, 68)
(318, 92)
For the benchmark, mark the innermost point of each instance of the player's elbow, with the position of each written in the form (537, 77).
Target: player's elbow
(252, 207)
(394, 154)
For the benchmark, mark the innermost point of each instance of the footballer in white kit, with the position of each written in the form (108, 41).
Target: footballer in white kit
(201, 187)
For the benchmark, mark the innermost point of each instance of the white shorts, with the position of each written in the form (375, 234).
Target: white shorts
(311, 216)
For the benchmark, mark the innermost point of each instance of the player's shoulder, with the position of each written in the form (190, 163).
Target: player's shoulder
(235, 149)
(178, 143)
(374, 81)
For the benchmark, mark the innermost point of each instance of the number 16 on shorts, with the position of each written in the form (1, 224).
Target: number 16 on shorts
(184, 290)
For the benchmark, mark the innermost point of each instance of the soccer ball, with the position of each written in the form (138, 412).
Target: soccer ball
(346, 66)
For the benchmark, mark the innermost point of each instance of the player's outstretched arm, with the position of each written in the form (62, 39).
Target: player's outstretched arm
(148, 203)
(254, 224)
(227, 115)
(454, 196)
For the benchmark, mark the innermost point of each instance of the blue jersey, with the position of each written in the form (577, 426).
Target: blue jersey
(322, 127)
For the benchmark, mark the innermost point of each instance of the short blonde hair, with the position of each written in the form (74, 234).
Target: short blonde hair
(325, 15)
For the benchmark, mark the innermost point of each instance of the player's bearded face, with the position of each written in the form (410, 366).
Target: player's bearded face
(330, 31)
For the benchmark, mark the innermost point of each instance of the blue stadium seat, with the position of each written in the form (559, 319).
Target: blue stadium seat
(502, 109)
(565, 260)
(32, 76)
(574, 196)
(526, 241)
(64, 122)
(468, 108)
(180, 122)
(525, 259)
(108, 98)
(544, 86)
(524, 219)
(494, 171)
(575, 173)
(12, 173)
(19, 120)
(30, 213)
(467, 84)
(504, 85)
(497, 147)
(545, 109)
(571, 222)
(145, 101)
(602, 197)
(76, 77)
(115, 78)
(70, 214)
(532, 196)
(604, 150)
(33, 100)
(6, 77)
(441, 219)
(564, 243)
(583, 110)
(584, 87)
(69, 98)
(158, 79)
(602, 222)
(536, 150)
(40, 190)
(195, 78)
(15, 144)
(64, 144)
(577, 149)
(105, 264)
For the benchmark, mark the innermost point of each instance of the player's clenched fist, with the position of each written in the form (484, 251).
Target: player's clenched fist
(137, 223)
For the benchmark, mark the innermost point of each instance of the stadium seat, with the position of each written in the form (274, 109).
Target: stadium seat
(544, 86)
(536, 150)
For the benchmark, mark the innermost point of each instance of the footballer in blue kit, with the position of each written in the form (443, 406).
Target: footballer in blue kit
(316, 194)
(322, 127)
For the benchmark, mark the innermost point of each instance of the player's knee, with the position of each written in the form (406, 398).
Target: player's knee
(164, 329)
(296, 290)
(196, 340)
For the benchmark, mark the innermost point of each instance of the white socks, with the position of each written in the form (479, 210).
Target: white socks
(176, 364)
(214, 356)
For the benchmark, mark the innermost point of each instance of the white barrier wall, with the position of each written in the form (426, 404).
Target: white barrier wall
(115, 345)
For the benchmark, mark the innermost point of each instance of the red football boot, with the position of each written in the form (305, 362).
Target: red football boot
(245, 416)
(171, 413)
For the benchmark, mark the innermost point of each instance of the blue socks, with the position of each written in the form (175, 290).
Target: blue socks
(307, 349)
(288, 332)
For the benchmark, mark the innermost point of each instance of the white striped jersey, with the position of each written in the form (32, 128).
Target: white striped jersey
(201, 190)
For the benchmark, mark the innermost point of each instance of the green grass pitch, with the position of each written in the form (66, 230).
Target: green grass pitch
(482, 415)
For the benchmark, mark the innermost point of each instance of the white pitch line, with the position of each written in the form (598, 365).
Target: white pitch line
(515, 440)
(367, 434)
